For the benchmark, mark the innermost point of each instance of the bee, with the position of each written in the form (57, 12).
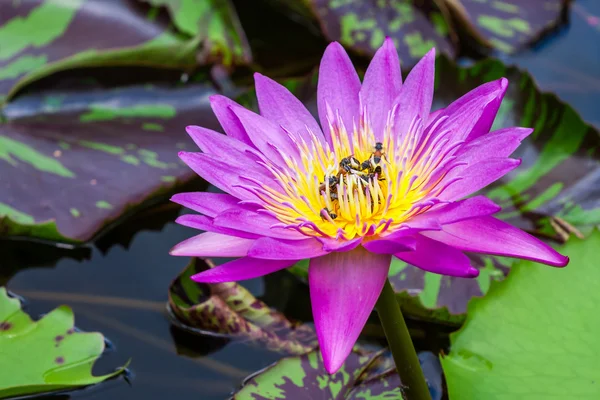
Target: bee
(347, 164)
(374, 175)
(378, 149)
(331, 214)
(367, 164)
(331, 182)
(378, 153)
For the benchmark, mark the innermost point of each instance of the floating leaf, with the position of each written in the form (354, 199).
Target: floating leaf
(362, 25)
(72, 161)
(508, 25)
(47, 355)
(40, 37)
(533, 336)
(227, 309)
(215, 23)
(304, 377)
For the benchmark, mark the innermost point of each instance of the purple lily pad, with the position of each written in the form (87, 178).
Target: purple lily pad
(71, 162)
(41, 37)
(229, 310)
(363, 25)
(508, 25)
(304, 377)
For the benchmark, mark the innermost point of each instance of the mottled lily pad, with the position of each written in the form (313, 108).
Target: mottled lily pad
(362, 25)
(508, 25)
(40, 37)
(229, 310)
(304, 377)
(554, 193)
(216, 23)
(46, 355)
(533, 336)
(70, 162)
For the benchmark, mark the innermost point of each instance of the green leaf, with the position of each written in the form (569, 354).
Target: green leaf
(40, 37)
(229, 310)
(46, 355)
(215, 24)
(535, 335)
(304, 377)
(73, 161)
(508, 25)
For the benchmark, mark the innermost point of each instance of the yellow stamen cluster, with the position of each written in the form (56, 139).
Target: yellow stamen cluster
(360, 203)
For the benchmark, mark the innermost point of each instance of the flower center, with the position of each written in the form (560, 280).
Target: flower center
(355, 187)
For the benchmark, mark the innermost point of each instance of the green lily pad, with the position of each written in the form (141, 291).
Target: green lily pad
(216, 23)
(508, 25)
(229, 310)
(46, 355)
(73, 161)
(554, 193)
(533, 336)
(40, 37)
(304, 377)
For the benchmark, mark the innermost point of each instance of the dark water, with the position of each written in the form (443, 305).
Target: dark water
(567, 62)
(123, 294)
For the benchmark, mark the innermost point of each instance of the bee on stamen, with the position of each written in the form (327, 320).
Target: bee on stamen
(331, 182)
(331, 214)
(378, 150)
(378, 153)
(347, 164)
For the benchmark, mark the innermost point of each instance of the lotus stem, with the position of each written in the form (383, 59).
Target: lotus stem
(401, 345)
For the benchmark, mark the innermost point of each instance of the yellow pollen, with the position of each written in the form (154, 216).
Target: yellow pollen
(356, 186)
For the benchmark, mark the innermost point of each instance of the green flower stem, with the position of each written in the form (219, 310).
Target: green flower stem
(401, 345)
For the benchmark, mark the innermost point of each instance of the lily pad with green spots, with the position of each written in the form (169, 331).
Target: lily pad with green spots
(47, 355)
(362, 25)
(508, 25)
(229, 310)
(73, 161)
(40, 37)
(533, 336)
(216, 23)
(304, 377)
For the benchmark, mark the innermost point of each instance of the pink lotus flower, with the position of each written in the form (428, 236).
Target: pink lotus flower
(381, 176)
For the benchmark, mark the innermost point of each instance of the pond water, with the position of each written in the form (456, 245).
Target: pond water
(123, 294)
